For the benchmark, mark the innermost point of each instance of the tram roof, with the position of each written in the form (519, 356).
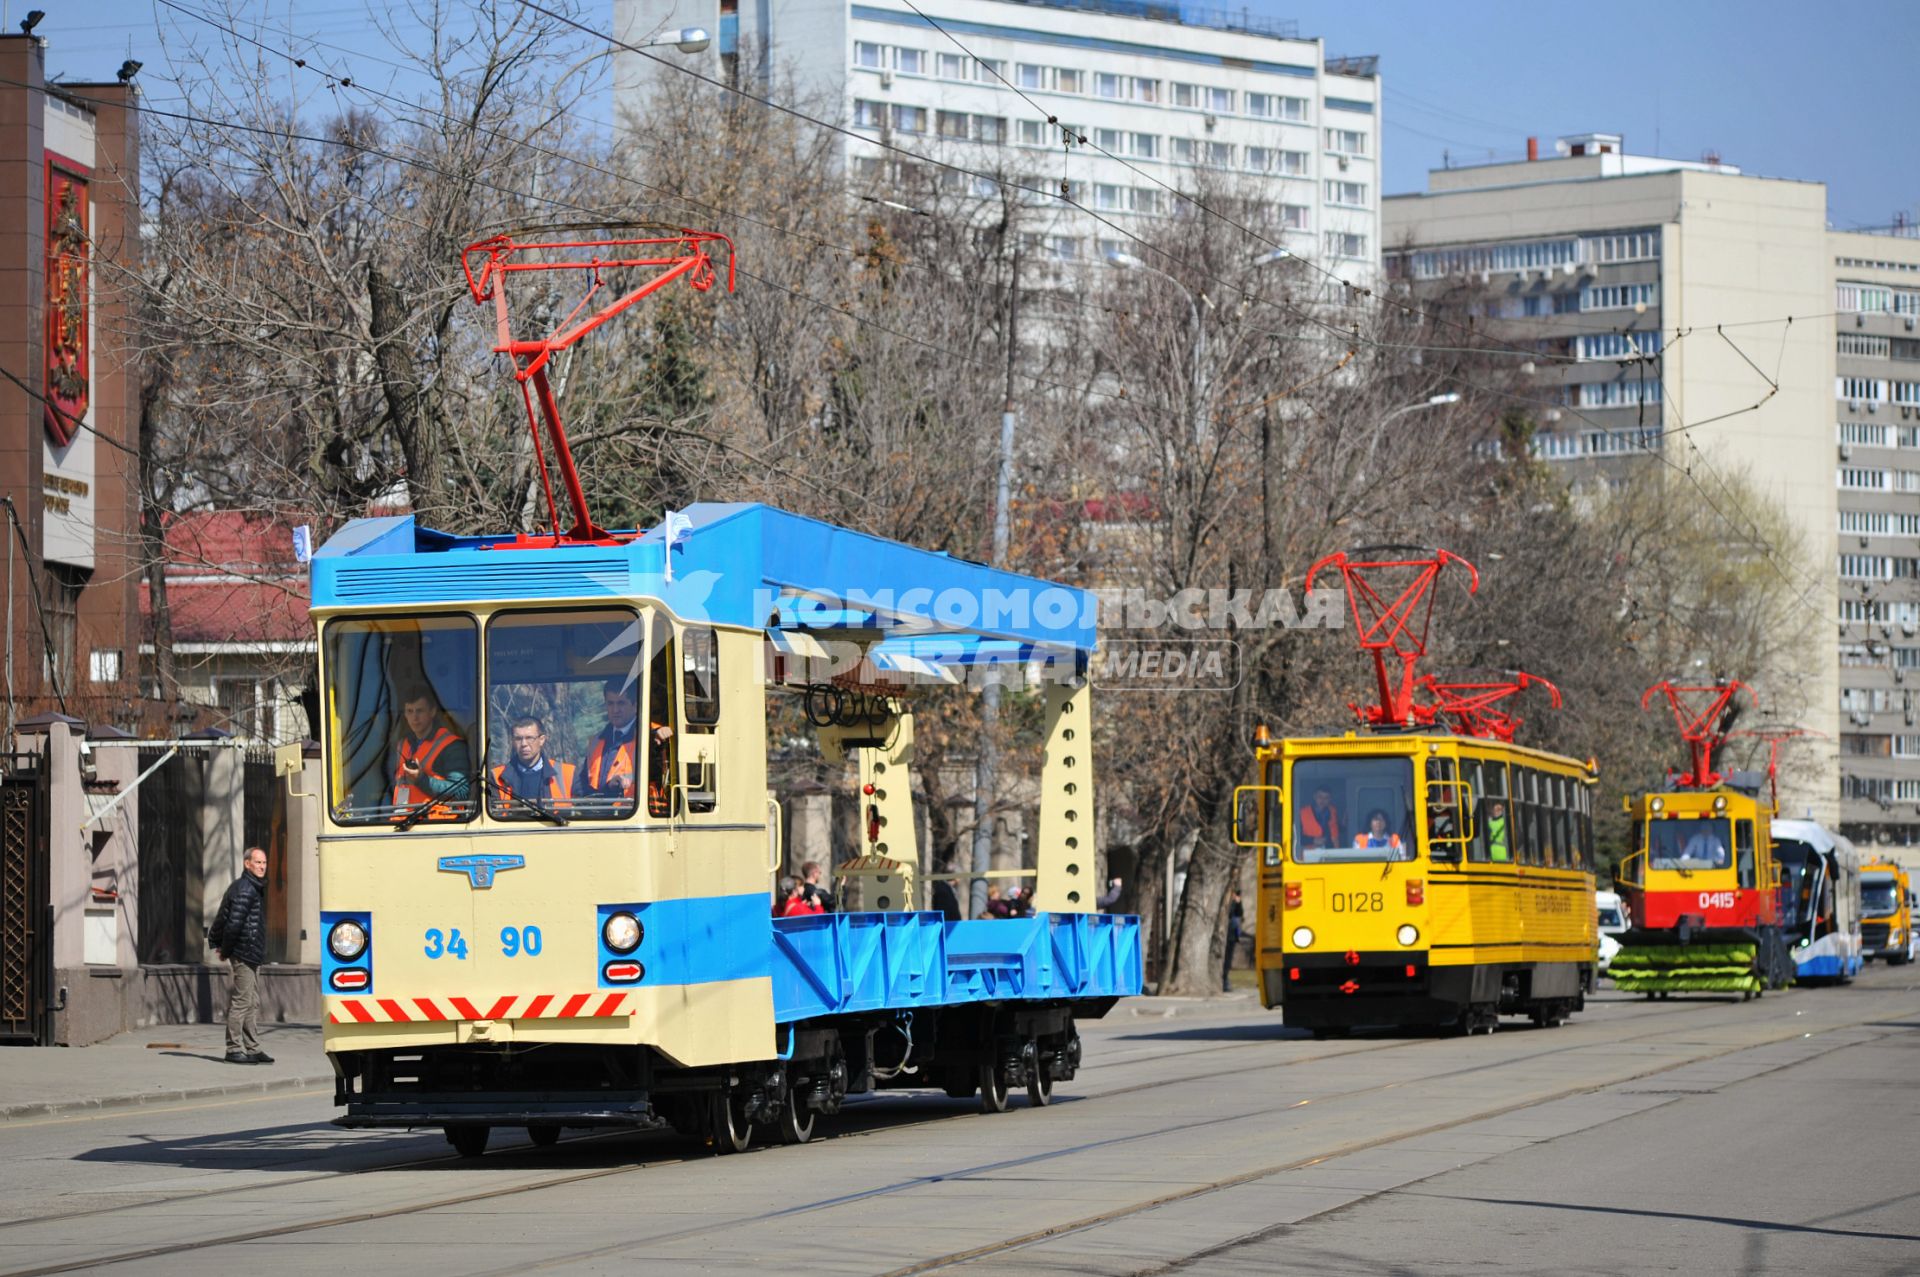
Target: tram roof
(732, 563)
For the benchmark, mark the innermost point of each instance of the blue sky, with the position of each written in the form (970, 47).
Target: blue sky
(1819, 92)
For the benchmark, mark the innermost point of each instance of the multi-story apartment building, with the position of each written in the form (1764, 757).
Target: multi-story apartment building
(1600, 257)
(1876, 304)
(1163, 93)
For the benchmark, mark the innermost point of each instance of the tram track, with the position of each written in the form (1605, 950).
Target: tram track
(567, 1179)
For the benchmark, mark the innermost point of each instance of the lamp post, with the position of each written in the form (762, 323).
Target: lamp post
(1434, 401)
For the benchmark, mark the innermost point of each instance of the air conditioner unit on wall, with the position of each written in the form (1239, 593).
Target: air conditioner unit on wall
(886, 79)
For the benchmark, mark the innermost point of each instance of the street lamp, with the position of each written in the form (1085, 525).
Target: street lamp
(686, 39)
(1433, 401)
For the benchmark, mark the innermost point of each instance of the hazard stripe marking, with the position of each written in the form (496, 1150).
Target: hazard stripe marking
(394, 1010)
(611, 1004)
(427, 1009)
(573, 1006)
(538, 1005)
(357, 1011)
(500, 1008)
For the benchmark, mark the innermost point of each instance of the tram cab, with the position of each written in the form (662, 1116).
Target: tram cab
(1421, 879)
(1700, 862)
(1886, 913)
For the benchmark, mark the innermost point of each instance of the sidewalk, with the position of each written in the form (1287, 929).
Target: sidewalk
(161, 1065)
(1151, 1007)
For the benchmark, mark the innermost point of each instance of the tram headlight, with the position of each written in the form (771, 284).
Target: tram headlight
(622, 932)
(1408, 933)
(1658, 804)
(348, 940)
(1303, 937)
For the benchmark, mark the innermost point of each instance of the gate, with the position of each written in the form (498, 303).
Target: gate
(169, 856)
(26, 905)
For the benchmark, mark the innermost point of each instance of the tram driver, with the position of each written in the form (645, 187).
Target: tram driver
(1706, 847)
(611, 764)
(1378, 835)
(431, 759)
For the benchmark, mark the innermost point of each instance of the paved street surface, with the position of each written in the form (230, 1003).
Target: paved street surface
(1697, 1136)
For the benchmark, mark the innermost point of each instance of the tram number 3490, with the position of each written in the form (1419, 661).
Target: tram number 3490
(514, 941)
(1358, 902)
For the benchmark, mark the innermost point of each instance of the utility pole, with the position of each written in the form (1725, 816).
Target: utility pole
(987, 761)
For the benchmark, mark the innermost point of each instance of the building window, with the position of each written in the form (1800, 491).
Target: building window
(1632, 246)
(869, 115)
(1616, 345)
(1147, 200)
(1033, 133)
(1271, 106)
(1865, 346)
(1906, 392)
(1619, 394)
(1109, 140)
(63, 585)
(1142, 89)
(1345, 244)
(1108, 85)
(909, 119)
(1863, 479)
(1349, 194)
(950, 66)
(1111, 199)
(910, 61)
(1188, 95)
(1293, 217)
(1616, 296)
(1861, 389)
(1185, 150)
(1068, 80)
(990, 70)
(1146, 146)
(104, 665)
(873, 56)
(1220, 101)
(1028, 76)
(1347, 141)
(951, 124)
(1064, 247)
(1865, 433)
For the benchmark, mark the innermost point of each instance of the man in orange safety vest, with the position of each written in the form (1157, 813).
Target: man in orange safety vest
(431, 759)
(528, 772)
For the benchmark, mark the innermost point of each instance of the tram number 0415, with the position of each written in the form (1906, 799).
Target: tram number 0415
(1716, 900)
(1358, 902)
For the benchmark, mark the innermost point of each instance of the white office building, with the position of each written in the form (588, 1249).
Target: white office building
(1160, 91)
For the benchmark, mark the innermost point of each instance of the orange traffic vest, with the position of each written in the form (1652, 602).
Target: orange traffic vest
(1393, 841)
(559, 782)
(428, 753)
(1310, 825)
(601, 771)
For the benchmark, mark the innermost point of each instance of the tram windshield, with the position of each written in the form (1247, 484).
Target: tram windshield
(1690, 843)
(564, 736)
(1352, 810)
(1878, 896)
(402, 709)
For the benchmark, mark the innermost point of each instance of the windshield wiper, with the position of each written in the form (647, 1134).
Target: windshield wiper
(418, 812)
(533, 805)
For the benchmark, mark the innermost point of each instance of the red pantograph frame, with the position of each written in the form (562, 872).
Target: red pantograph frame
(1384, 626)
(1698, 714)
(681, 254)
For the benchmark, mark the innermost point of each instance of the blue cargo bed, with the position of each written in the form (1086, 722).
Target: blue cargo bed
(831, 964)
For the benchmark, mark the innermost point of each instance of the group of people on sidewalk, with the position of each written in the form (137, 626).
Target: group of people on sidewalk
(803, 895)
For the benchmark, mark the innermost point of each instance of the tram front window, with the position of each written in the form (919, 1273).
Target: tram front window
(1352, 810)
(1681, 843)
(1878, 897)
(565, 741)
(402, 707)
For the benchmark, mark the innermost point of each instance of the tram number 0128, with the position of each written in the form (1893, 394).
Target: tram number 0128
(1358, 902)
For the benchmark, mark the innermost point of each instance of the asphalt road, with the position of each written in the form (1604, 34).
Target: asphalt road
(1699, 1136)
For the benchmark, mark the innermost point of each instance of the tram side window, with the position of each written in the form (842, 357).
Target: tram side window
(1497, 814)
(660, 740)
(1443, 809)
(1474, 773)
(1743, 852)
(562, 702)
(700, 671)
(402, 706)
(1523, 835)
(1586, 825)
(1562, 824)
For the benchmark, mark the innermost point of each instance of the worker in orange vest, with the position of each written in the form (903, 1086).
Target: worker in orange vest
(611, 765)
(1378, 835)
(1320, 823)
(432, 758)
(528, 772)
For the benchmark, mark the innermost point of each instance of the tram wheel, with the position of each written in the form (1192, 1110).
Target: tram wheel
(543, 1134)
(795, 1125)
(467, 1139)
(993, 1089)
(728, 1126)
(1039, 1085)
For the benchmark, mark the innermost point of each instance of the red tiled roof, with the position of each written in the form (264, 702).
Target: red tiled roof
(232, 578)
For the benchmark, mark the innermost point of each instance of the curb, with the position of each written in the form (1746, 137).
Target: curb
(141, 1099)
(1154, 1007)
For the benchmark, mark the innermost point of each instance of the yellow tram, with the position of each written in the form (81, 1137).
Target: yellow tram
(1474, 900)
(1412, 875)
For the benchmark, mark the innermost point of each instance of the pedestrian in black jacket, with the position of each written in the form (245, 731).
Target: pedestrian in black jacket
(239, 935)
